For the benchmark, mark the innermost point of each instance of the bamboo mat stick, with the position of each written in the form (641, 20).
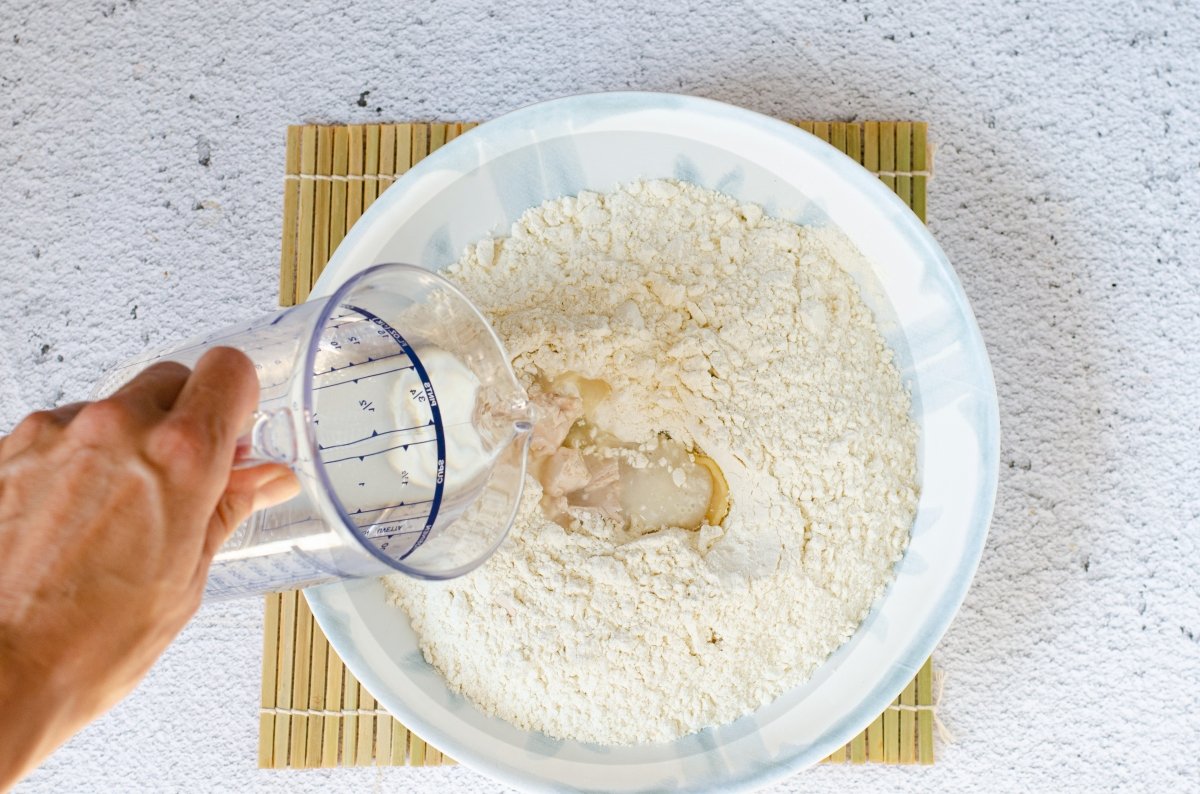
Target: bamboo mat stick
(405, 133)
(891, 734)
(387, 158)
(298, 749)
(858, 748)
(925, 715)
(437, 137)
(399, 751)
(416, 750)
(321, 227)
(287, 645)
(291, 212)
(875, 740)
(330, 732)
(350, 722)
(371, 187)
(354, 188)
(904, 161)
(366, 728)
(318, 683)
(871, 146)
(270, 688)
(887, 153)
(908, 723)
(337, 201)
(920, 163)
(854, 144)
(420, 144)
(383, 741)
(837, 136)
(307, 225)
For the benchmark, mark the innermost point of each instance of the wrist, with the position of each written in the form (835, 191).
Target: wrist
(35, 716)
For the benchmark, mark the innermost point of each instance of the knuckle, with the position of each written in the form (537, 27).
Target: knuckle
(230, 359)
(231, 368)
(182, 442)
(36, 423)
(166, 369)
(230, 512)
(103, 419)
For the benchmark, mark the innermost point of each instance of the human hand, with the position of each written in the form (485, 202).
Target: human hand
(110, 513)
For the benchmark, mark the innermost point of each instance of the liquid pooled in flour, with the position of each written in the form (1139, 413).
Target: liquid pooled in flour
(650, 486)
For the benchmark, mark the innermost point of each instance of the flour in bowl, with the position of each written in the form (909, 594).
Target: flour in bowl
(728, 471)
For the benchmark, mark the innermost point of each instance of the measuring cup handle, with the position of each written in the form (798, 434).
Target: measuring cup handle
(271, 439)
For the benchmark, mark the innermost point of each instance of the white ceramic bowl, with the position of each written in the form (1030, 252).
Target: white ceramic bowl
(478, 185)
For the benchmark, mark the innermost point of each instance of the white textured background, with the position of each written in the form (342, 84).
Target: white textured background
(141, 147)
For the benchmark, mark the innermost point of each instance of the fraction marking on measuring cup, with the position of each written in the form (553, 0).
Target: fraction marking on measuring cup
(358, 429)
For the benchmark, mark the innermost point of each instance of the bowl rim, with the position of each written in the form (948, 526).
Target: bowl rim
(518, 123)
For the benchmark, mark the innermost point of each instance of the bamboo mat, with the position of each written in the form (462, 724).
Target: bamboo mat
(314, 713)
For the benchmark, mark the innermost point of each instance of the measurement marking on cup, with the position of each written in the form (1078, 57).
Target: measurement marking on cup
(389, 507)
(436, 416)
(363, 377)
(375, 434)
(380, 452)
(381, 531)
(369, 360)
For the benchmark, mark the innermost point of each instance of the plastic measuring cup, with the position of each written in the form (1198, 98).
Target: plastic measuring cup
(396, 405)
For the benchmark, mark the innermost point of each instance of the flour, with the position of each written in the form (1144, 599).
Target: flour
(731, 333)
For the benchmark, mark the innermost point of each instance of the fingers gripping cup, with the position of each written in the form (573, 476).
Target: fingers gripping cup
(396, 405)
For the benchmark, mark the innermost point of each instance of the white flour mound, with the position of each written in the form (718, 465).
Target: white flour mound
(738, 335)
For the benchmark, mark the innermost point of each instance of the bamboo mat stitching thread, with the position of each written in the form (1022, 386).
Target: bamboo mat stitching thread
(394, 177)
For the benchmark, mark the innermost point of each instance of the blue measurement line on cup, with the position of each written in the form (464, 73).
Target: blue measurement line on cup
(414, 503)
(366, 455)
(436, 412)
(392, 507)
(356, 364)
(376, 434)
(366, 377)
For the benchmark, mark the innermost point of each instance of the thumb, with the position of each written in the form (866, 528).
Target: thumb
(247, 491)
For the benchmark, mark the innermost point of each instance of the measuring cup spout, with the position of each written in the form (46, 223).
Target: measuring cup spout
(271, 439)
(521, 413)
